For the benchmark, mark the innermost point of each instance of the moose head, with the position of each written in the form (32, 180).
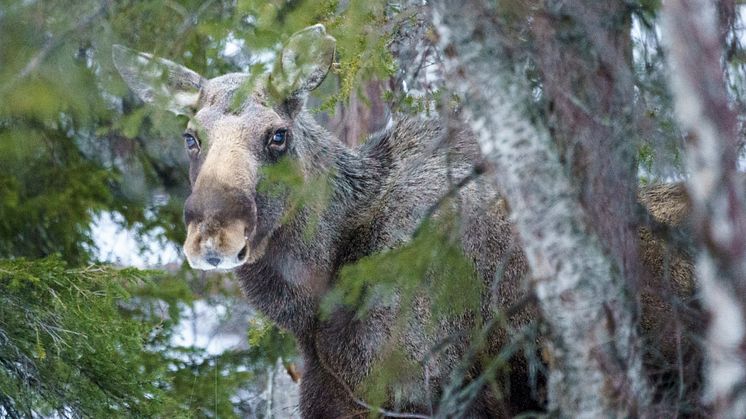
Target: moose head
(230, 136)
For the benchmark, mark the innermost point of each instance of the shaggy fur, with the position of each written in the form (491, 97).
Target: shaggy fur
(379, 194)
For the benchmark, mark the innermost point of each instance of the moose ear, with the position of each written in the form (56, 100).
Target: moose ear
(303, 64)
(157, 80)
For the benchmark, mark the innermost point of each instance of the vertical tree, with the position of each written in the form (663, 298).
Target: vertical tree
(581, 292)
(697, 81)
(584, 54)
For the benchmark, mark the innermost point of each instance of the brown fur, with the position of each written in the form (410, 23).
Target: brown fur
(380, 193)
(671, 320)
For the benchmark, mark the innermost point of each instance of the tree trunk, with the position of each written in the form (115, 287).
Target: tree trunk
(584, 56)
(596, 362)
(716, 189)
(361, 115)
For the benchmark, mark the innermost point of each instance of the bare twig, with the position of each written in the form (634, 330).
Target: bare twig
(352, 395)
(478, 169)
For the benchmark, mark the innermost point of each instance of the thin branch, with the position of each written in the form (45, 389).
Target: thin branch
(54, 42)
(479, 169)
(354, 398)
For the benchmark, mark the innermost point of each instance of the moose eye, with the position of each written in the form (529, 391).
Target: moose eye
(279, 138)
(191, 142)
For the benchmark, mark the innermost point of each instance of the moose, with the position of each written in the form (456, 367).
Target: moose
(379, 196)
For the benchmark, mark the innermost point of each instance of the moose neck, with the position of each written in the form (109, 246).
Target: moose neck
(354, 176)
(296, 271)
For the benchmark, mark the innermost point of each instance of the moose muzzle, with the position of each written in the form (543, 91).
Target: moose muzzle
(218, 234)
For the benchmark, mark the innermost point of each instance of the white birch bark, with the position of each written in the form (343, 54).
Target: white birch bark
(701, 100)
(596, 366)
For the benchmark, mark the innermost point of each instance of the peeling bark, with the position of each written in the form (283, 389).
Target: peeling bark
(697, 81)
(596, 362)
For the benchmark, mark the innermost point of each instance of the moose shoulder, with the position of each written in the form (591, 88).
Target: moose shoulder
(375, 199)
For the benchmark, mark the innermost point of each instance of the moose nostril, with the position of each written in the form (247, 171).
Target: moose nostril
(213, 261)
(242, 253)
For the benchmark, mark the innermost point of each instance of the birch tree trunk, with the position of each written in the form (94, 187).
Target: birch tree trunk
(596, 365)
(716, 189)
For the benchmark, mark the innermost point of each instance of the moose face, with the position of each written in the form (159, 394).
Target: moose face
(227, 149)
(230, 138)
